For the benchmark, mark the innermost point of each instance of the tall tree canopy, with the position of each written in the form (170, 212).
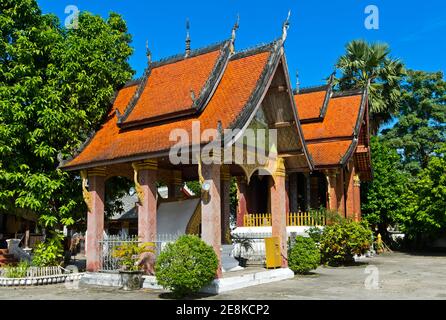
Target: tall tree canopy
(421, 126)
(383, 201)
(55, 86)
(370, 65)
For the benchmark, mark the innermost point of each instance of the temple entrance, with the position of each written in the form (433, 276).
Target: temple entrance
(258, 193)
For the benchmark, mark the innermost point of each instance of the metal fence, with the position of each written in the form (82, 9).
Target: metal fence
(110, 242)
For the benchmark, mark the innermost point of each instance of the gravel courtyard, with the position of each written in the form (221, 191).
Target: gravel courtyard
(389, 276)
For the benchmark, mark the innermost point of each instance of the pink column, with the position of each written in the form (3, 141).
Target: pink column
(211, 211)
(147, 194)
(357, 197)
(278, 210)
(340, 192)
(225, 204)
(332, 191)
(350, 196)
(242, 208)
(95, 219)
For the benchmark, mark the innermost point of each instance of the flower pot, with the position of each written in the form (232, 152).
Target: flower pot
(243, 262)
(131, 280)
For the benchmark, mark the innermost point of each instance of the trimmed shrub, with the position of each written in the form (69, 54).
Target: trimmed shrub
(304, 255)
(342, 241)
(186, 266)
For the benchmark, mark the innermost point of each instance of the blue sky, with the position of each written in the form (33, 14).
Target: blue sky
(319, 29)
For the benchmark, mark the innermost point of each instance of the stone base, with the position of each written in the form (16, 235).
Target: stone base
(248, 280)
(216, 287)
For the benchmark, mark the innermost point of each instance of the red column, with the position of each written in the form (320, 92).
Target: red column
(225, 204)
(211, 211)
(350, 197)
(332, 191)
(278, 210)
(95, 219)
(147, 194)
(242, 208)
(340, 192)
(357, 197)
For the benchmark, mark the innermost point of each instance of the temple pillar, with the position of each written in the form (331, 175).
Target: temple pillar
(340, 192)
(350, 196)
(95, 218)
(225, 204)
(242, 196)
(175, 187)
(278, 209)
(332, 204)
(357, 198)
(211, 211)
(146, 172)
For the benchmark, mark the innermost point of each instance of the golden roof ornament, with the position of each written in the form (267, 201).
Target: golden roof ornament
(188, 41)
(285, 27)
(234, 34)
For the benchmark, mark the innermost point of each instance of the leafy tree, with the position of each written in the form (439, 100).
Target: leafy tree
(426, 210)
(422, 119)
(383, 201)
(55, 85)
(370, 65)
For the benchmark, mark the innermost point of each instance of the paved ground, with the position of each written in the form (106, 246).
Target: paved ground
(389, 276)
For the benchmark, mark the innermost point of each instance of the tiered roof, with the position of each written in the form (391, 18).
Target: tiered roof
(335, 127)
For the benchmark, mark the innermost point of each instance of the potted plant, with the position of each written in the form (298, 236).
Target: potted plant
(131, 271)
(245, 244)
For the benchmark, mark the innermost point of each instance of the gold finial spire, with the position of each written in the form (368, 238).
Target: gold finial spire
(148, 53)
(188, 41)
(285, 27)
(234, 33)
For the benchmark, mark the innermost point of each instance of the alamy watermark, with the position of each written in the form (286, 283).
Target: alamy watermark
(371, 22)
(72, 20)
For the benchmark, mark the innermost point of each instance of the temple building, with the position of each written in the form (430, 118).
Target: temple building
(322, 146)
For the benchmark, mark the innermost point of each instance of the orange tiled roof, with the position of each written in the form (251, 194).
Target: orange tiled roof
(169, 86)
(309, 105)
(329, 138)
(232, 94)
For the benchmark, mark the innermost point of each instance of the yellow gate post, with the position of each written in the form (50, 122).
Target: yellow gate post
(272, 250)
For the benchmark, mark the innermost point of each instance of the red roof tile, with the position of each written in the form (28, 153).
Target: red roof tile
(329, 153)
(169, 86)
(309, 105)
(234, 91)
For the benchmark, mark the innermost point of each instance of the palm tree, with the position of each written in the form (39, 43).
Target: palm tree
(370, 65)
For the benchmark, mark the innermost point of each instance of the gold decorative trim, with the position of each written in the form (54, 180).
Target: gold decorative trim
(280, 168)
(193, 227)
(145, 165)
(86, 194)
(357, 181)
(176, 178)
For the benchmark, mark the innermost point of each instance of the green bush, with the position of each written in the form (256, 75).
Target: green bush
(304, 255)
(315, 233)
(186, 266)
(18, 271)
(50, 252)
(342, 241)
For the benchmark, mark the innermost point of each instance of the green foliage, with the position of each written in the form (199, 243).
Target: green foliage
(426, 209)
(50, 252)
(315, 233)
(186, 266)
(342, 241)
(420, 129)
(370, 65)
(17, 272)
(129, 253)
(383, 201)
(304, 256)
(244, 243)
(55, 86)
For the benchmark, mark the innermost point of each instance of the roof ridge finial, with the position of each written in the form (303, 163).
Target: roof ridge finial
(148, 53)
(234, 33)
(188, 41)
(297, 82)
(285, 27)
